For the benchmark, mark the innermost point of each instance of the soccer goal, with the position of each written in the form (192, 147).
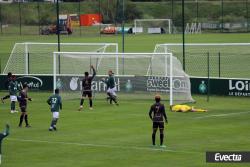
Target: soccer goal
(152, 26)
(230, 60)
(36, 58)
(193, 28)
(137, 75)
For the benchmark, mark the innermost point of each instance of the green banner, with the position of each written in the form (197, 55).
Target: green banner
(38, 82)
(218, 86)
(226, 87)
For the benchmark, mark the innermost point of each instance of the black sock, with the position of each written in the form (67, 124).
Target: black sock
(81, 103)
(55, 121)
(21, 120)
(90, 102)
(114, 99)
(153, 138)
(12, 106)
(109, 98)
(52, 123)
(161, 138)
(6, 97)
(26, 120)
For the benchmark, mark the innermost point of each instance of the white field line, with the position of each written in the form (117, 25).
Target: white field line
(223, 115)
(103, 145)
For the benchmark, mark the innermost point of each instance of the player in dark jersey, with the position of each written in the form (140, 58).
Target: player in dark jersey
(111, 88)
(2, 136)
(22, 99)
(86, 88)
(6, 84)
(157, 114)
(55, 102)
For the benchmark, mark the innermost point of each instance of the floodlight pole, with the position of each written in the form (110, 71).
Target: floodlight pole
(197, 11)
(58, 35)
(79, 13)
(183, 35)
(123, 36)
(1, 24)
(39, 17)
(20, 18)
(222, 15)
(172, 15)
(247, 15)
(99, 8)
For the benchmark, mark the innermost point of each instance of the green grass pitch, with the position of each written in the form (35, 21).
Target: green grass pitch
(121, 136)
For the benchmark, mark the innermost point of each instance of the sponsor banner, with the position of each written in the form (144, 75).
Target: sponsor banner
(227, 87)
(34, 82)
(228, 157)
(126, 84)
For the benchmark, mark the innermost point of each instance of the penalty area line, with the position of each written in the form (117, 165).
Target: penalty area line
(223, 115)
(103, 145)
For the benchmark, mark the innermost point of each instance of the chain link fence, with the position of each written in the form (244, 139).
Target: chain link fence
(213, 15)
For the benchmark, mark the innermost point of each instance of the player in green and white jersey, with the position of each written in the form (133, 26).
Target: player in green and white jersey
(55, 102)
(13, 90)
(111, 87)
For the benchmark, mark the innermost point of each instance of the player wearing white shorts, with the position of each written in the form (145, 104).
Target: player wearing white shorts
(111, 88)
(55, 102)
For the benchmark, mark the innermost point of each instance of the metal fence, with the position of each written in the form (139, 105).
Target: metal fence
(213, 15)
(228, 60)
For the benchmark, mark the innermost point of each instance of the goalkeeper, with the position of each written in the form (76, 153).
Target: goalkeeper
(2, 136)
(86, 88)
(111, 88)
(185, 108)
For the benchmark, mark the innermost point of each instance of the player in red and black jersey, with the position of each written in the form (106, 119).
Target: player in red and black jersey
(22, 99)
(157, 114)
(86, 88)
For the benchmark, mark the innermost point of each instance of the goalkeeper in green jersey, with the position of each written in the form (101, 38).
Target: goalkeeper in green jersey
(2, 136)
(13, 89)
(111, 88)
(55, 102)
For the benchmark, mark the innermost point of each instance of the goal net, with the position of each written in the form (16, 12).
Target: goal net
(230, 60)
(36, 58)
(137, 75)
(152, 26)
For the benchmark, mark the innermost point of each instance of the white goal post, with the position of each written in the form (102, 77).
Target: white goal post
(36, 57)
(152, 25)
(149, 72)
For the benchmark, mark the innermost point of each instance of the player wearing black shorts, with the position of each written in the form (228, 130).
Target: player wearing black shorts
(22, 99)
(86, 88)
(157, 114)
